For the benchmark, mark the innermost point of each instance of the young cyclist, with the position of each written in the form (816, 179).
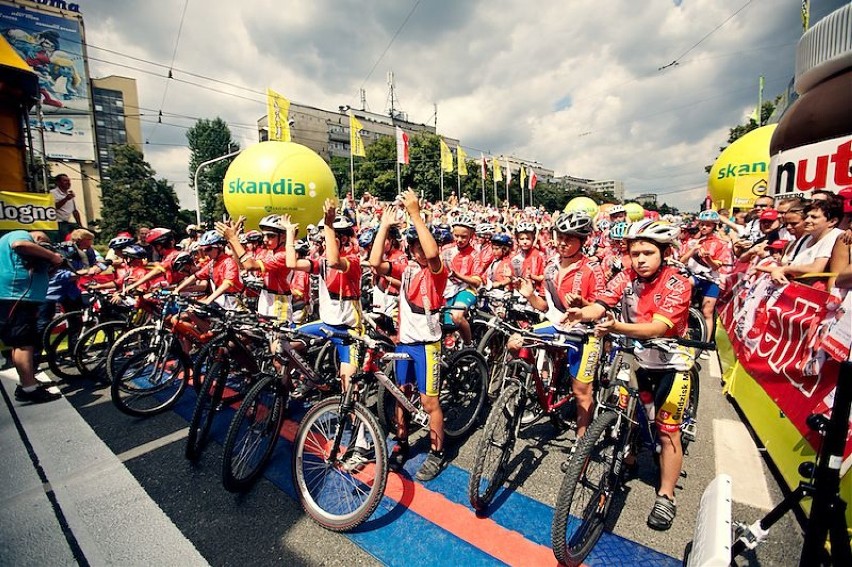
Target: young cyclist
(465, 269)
(222, 272)
(423, 280)
(499, 274)
(652, 300)
(300, 286)
(162, 241)
(571, 280)
(386, 287)
(528, 262)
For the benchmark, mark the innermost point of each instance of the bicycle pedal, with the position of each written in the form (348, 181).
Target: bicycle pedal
(689, 431)
(564, 467)
(421, 419)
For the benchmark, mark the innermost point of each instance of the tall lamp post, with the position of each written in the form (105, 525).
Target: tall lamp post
(195, 182)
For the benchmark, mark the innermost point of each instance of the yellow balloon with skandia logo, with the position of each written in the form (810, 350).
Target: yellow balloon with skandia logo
(582, 204)
(747, 159)
(281, 178)
(634, 211)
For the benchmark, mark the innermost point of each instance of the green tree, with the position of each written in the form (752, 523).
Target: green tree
(132, 196)
(210, 139)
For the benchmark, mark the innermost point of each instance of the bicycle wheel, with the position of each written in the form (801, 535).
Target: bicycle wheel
(463, 391)
(126, 345)
(339, 493)
(205, 357)
(586, 493)
(521, 371)
(697, 327)
(493, 348)
(91, 351)
(253, 433)
(206, 407)
(60, 338)
(152, 380)
(386, 405)
(690, 414)
(495, 448)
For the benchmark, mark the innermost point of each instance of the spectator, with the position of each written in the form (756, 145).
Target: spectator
(821, 219)
(752, 227)
(66, 208)
(23, 287)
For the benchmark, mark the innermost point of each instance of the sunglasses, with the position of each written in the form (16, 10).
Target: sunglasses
(270, 234)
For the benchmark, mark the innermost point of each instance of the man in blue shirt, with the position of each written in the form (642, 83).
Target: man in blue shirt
(24, 265)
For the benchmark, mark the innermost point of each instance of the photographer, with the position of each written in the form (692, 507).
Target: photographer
(24, 265)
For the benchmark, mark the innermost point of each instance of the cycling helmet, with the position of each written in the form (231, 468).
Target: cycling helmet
(190, 228)
(182, 260)
(465, 221)
(501, 239)
(134, 252)
(120, 242)
(211, 238)
(574, 223)
(708, 216)
(618, 230)
(302, 247)
(485, 229)
(660, 232)
(193, 247)
(366, 238)
(272, 222)
(617, 209)
(159, 236)
(410, 235)
(442, 235)
(394, 234)
(604, 225)
(525, 226)
(342, 225)
(254, 236)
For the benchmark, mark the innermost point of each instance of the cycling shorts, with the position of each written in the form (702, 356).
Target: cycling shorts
(581, 360)
(705, 288)
(424, 368)
(670, 390)
(465, 298)
(348, 353)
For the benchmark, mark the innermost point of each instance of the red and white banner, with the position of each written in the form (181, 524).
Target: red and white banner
(401, 146)
(790, 339)
(533, 179)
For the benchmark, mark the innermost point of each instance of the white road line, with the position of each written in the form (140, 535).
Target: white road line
(714, 368)
(153, 445)
(737, 456)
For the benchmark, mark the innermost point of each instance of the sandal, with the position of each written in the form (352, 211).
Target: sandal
(662, 514)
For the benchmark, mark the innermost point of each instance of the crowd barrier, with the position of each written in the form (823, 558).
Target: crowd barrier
(780, 348)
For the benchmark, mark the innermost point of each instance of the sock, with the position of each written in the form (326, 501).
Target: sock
(30, 389)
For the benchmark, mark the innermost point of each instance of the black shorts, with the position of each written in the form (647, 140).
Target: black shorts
(18, 323)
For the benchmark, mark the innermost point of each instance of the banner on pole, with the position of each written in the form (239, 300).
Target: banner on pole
(497, 172)
(402, 146)
(27, 211)
(446, 156)
(356, 143)
(277, 115)
(461, 163)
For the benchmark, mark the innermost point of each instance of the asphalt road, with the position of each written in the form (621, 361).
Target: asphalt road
(266, 525)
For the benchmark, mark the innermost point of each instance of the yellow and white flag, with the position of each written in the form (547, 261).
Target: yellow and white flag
(523, 176)
(446, 156)
(277, 113)
(460, 159)
(497, 173)
(355, 140)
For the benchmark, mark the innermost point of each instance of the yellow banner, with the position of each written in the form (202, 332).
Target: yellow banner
(747, 188)
(460, 158)
(27, 211)
(496, 171)
(277, 113)
(356, 143)
(446, 156)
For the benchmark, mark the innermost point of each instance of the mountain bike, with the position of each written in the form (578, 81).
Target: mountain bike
(715, 532)
(594, 472)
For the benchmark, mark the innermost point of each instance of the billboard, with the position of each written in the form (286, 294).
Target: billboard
(68, 136)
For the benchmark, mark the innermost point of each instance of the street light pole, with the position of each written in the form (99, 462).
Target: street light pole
(195, 181)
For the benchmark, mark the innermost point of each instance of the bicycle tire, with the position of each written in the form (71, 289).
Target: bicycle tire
(206, 407)
(495, 448)
(205, 357)
(92, 349)
(493, 348)
(697, 328)
(463, 392)
(690, 414)
(337, 499)
(578, 522)
(126, 345)
(152, 380)
(60, 360)
(386, 404)
(253, 434)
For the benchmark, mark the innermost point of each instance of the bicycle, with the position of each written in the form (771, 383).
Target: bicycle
(335, 494)
(525, 397)
(714, 530)
(594, 472)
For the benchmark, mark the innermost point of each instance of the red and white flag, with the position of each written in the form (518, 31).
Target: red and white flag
(483, 166)
(401, 146)
(533, 179)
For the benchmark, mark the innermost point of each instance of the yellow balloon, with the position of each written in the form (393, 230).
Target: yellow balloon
(635, 211)
(281, 178)
(584, 204)
(748, 156)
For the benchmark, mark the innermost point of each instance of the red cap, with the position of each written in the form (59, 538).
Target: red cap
(846, 195)
(778, 245)
(769, 214)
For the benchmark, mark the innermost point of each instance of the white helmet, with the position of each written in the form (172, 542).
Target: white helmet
(616, 209)
(272, 222)
(659, 231)
(525, 226)
(465, 221)
(574, 223)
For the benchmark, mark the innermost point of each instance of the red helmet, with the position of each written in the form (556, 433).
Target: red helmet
(159, 236)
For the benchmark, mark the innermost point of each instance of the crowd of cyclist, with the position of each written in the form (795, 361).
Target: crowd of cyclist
(631, 278)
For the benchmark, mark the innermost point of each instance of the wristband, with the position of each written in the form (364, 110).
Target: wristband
(243, 257)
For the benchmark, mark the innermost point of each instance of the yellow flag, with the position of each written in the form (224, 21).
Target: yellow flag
(446, 156)
(356, 143)
(462, 164)
(495, 168)
(523, 175)
(277, 112)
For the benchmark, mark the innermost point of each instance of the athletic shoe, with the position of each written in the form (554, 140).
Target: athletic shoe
(40, 395)
(356, 459)
(662, 514)
(398, 457)
(432, 466)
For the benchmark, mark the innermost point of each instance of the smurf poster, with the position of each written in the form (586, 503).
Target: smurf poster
(53, 48)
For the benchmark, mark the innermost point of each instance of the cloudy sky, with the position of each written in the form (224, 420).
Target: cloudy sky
(575, 86)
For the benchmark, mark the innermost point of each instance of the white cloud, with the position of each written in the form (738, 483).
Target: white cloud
(574, 86)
